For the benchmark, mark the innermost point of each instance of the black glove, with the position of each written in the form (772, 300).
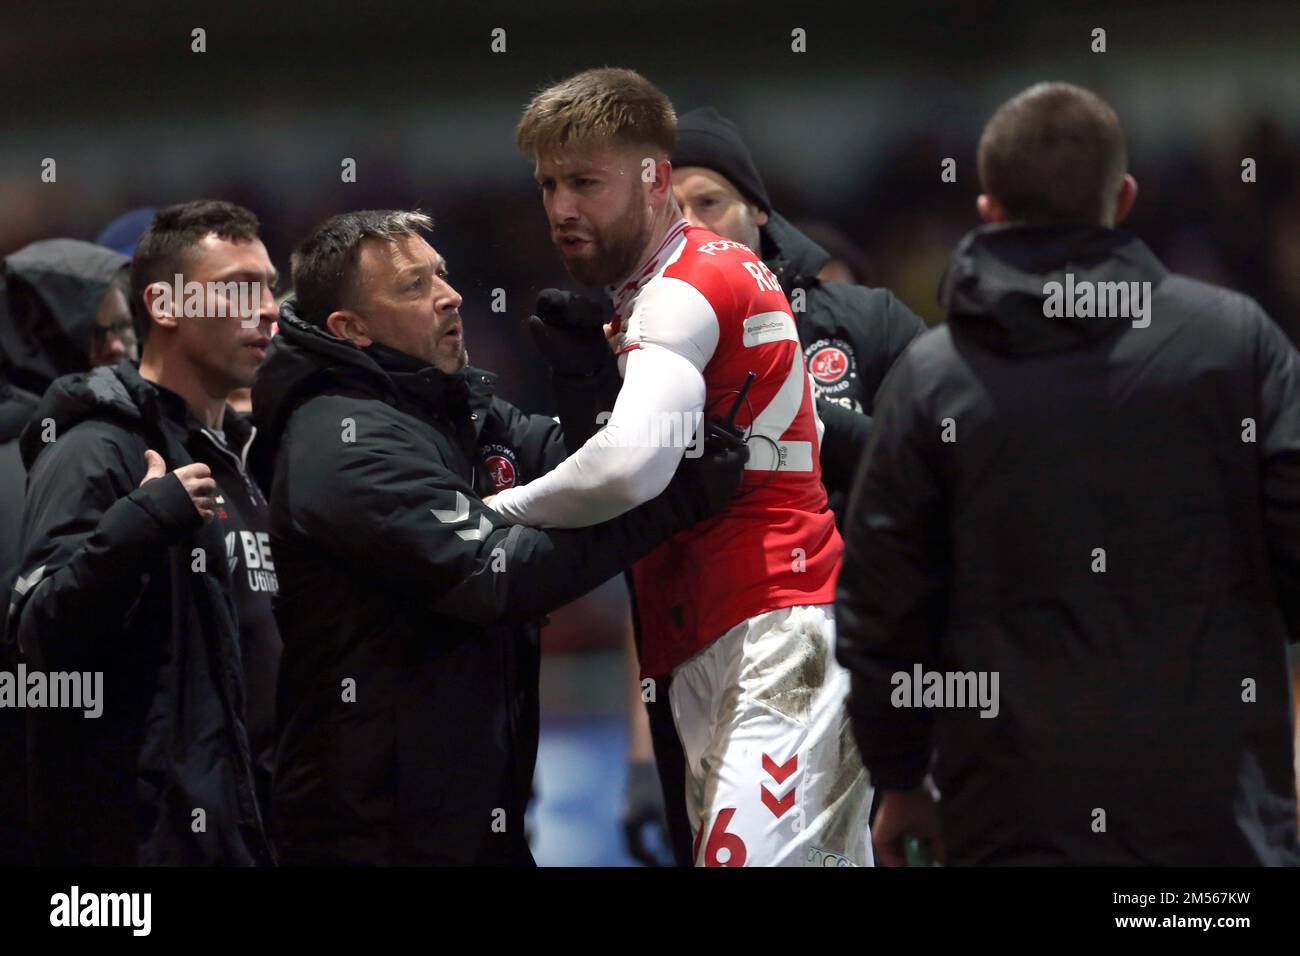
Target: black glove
(643, 809)
(568, 329)
(704, 485)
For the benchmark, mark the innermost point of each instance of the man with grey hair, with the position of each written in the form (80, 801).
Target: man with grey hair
(1086, 485)
(408, 713)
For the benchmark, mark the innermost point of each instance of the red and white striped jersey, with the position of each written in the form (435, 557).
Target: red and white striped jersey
(714, 302)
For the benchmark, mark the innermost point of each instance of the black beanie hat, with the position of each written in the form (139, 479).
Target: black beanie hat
(707, 138)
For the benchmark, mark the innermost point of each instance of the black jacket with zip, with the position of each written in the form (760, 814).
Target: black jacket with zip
(126, 580)
(851, 336)
(1104, 512)
(407, 709)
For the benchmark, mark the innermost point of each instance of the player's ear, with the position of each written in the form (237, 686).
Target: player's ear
(662, 186)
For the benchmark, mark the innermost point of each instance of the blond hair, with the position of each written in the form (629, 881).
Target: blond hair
(597, 108)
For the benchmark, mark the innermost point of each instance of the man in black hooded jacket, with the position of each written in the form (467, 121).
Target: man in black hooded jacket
(408, 711)
(121, 576)
(1073, 551)
(62, 308)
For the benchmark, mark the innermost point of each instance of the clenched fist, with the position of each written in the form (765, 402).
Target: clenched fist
(196, 479)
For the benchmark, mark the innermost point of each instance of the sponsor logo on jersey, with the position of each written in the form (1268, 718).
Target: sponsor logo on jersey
(501, 466)
(722, 245)
(832, 365)
(768, 327)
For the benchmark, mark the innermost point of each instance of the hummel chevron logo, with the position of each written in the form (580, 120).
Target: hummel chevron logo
(25, 584)
(780, 773)
(460, 513)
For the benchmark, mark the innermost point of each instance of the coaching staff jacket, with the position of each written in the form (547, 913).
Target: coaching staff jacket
(851, 336)
(125, 579)
(407, 709)
(1105, 512)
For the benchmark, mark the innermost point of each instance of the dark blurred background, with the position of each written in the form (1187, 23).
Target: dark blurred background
(851, 132)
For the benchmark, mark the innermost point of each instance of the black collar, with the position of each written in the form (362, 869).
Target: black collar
(176, 411)
(418, 380)
(465, 394)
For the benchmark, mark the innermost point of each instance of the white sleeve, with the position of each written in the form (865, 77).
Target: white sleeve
(674, 314)
(670, 337)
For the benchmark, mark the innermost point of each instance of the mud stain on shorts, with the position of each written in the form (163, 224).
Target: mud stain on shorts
(848, 800)
(788, 681)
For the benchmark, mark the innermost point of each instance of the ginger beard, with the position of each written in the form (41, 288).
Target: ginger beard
(611, 252)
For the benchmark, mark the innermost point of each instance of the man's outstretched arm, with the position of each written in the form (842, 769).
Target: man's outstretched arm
(383, 503)
(626, 463)
(672, 334)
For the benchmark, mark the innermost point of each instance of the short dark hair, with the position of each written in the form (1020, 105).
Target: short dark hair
(175, 230)
(324, 264)
(1054, 153)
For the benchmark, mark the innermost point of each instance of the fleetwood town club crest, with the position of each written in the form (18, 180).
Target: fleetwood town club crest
(832, 365)
(499, 461)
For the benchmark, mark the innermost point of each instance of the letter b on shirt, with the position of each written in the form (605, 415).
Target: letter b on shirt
(257, 551)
